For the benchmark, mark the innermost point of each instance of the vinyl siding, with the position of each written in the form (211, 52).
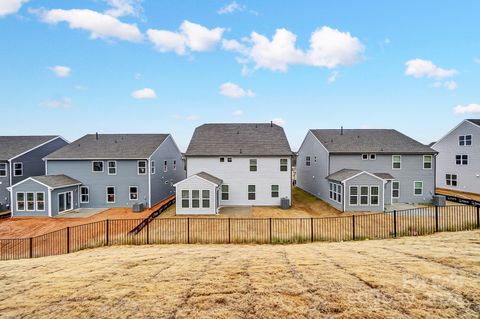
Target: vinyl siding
(4, 183)
(364, 180)
(195, 183)
(29, 186)
(54, 198)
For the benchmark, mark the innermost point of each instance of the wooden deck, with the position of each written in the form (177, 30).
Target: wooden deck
(443, 191)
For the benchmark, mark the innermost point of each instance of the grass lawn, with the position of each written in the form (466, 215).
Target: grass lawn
(431, 276)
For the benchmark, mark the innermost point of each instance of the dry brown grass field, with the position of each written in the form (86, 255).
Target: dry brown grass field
(417, 277)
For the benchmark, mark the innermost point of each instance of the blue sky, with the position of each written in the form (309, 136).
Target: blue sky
(114, 66)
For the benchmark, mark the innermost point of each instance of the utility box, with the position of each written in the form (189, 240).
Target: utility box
(439, 200)
(285, 203)
(138, 207)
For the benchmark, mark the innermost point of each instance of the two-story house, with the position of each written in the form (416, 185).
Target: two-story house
(458, 159)
(365, 169)
(235, 165)
(21, 157)
(103, 171)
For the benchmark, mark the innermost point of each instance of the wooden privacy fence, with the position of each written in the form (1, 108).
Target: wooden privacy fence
(411, 222)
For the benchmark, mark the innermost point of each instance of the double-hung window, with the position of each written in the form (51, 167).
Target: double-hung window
(427, 161)
(396, 161)
(84, 194)
(112, 167)
(110, 194)
(142, 167)
(40, 201)
(451, 179)
(174, 165)
(165, 166)
(336, 192)
(395, 189)
(253, 165)
(152, 166)
(20, 201)
(3, 169)
(364, 194)
(133, 192)
(283, 165)
(251, 192)
(275, 191)
(307, 161)
(354, 195)
(18, 169)
(185, 198)
(195, 198)
(97, 166)
(225, 192)
(374, 195)
(205, 198)
(465, 140)
(418, 188)
(30, 201)
(461, 159)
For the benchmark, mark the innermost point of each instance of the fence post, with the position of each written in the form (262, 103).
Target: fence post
(68, 240)
(148, 233)
(311, 228)
(31, 248)
(436, 219)
(188, 230)
(353, 226)
(270, 230)
(229, 235)
(395, 223)
(106, 231)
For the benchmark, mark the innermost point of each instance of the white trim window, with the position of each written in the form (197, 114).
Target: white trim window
(336, 192)
(307, 161)
(395, 189)
(283, 165)
(225, 192)
(152, 167)
(364, 195)
(465, 140)
(222, 159)
(185, 198)
(195, 198)
(461, 159)
(30, 201)
(205, 198)
(3, 169)
(20, 201)
(427, 161)
(65, 202)
(353, 195)
(275, 191)
(396, 161)
(418, 188)
(142, 168)
(165, 166)
(133, 192)
(18, 169)
(84, 194)
(174, 165)
(451, 179)
(253, 165)
(97, 166)
(40, 201)
(251, 192)
(112, 167)
(374, 195)
(373, 157)
(110, 194)
(229, 159)
(365, 157)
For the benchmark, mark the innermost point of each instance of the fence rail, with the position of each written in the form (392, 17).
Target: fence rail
(412, 222)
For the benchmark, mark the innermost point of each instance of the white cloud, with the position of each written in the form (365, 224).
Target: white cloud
(231, 8)
(64, 102)
(137, 76)
(387, 41)
(476, 60)
(145, 93)
(470, 108)
(419, 68)
(80, 87)
(237, 113)
(124, 8)
(333, 77)
(234, 91)
(451, 85)
(328, 48)
(192, 36)
(192, 117)
(279, 121)
(100, 26)
(10, 6)
(60, 70)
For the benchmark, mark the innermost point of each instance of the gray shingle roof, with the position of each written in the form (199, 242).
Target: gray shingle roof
(369, 141)
(247, 139)
(210, 178)
(11, 146)
(56, 181)
(474, 121)
(346, 173)
(111, 146)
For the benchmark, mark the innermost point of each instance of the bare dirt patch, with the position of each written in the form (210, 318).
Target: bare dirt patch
(431, 276)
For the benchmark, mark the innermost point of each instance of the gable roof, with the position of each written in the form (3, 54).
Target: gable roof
(210, 178)
(474, 121)
(12, 146)
(346, 173)
(471, 121)
(56, 181)
(110, 146)
(243, 139)
(369, 141)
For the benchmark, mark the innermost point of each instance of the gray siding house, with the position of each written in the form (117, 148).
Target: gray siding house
(232, 164)
(21, 157)
(458, 159)
(364, 170)
(114, 170)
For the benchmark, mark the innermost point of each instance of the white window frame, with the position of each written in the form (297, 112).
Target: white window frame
(398, 182)
(360, 195)
(464, 140)
(114, 194)
(4, 169)
(103, 167)
(15, 169)
(58, 201)
(222, 159)
(451, 179)
(205, 198)
(199, 198)
(307, 160)
(41, 201)
(284, 165)
(350, 195)
(372, 156)
(26, 202)
(130, 192)
(431, 162)
(415, 188)
(365, 157)
(174, 165)
(471, 140)
(254, 192)
(165, 166)
(461, 159)
(17, 201)
(138, 167)
(227, 192)
(108, 167)
(81, 195)
(255, 165)
(187, 199)
(393, 162)
(371, 195)
(275, 191)
(229, 160)
(335, 192)
(152, 167)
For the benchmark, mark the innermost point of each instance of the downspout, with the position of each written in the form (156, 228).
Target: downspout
(343, 192)
(149, 184)
(49, 192)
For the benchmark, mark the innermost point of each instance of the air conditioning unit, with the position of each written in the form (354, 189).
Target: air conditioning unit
(439, 200)
(138, 207)
(285, 203)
